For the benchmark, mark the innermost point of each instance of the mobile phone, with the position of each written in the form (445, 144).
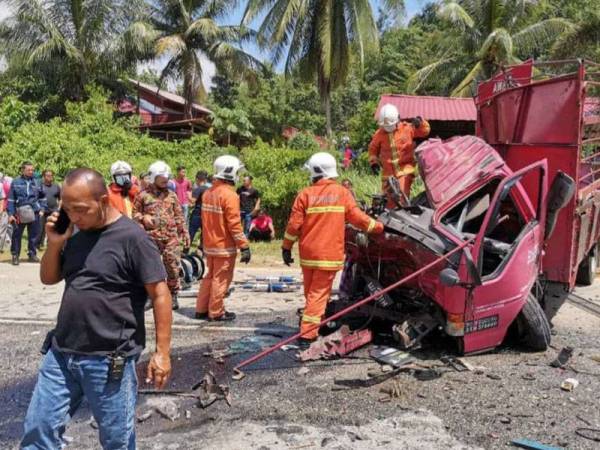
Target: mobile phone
(62, 223)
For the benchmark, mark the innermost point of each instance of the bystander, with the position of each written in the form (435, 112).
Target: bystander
(183, 189)
(195, 222)
(249, 202)
(52, 193)
(26, 203)
(109, 267)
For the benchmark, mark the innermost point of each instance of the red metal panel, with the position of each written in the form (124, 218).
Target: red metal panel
(431, 108)
(559, 257)
(450, 167)
(512, 76)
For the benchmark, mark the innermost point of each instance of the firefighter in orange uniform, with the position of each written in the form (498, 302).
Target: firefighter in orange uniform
(222, 236)
(318, 219)
(122, 191)
(392, 148)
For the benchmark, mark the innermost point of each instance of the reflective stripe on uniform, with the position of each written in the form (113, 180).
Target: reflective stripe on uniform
(289, 237)
(239, 237)
(325, 209)
(220, 251)
(372, 224)
(316, 263)
(311, 319)
(394, 157)
(212, 208)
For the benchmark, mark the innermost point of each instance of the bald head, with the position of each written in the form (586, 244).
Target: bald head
(93, 180)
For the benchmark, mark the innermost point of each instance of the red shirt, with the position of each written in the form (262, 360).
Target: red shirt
(181, 189)
(261, 223)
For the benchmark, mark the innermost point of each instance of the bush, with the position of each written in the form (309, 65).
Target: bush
(304, 141)
(13, 114)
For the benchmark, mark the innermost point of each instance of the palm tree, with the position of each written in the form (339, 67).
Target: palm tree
(317, 36)
(182, 29)
(491, 34)
(76, 40)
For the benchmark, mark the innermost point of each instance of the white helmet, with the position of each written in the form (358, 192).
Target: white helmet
(227, 168)
(322, 165)
(388, 117)
(119, 168)
(159, 168)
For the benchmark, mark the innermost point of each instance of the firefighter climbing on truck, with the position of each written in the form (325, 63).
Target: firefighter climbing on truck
(317, 221)
(392, 149)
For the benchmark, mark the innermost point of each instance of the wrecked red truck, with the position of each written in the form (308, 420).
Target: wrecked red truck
(524, 195)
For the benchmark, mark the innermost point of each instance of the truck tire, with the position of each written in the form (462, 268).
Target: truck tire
(533, 326)
(587, 269)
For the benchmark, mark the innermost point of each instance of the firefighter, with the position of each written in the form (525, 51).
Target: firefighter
(392, 148)
(317, 221)
(122, 191)
(159, 212)
(222, 236)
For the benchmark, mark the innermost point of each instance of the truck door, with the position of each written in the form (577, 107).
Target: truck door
(507, 254)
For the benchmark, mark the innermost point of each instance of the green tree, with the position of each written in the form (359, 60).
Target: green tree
(492, 33)
(69, 43)
(182, 30)
(316, 37)
(232, 121)
(582, 41)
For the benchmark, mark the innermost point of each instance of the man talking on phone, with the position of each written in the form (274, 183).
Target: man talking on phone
(109, 266)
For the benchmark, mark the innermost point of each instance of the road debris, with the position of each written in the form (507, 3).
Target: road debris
(303, 371)
(411, 332)
(592, 434)
(569, 384)
(563, 357)
(166, 407)
(210, 391)
(246, 344)
(145, 416)
(390, 356)
(337, 344)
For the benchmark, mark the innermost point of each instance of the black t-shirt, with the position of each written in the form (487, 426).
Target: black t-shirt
(248, 198)
(197, 194)
(52, 196)
(102, 306)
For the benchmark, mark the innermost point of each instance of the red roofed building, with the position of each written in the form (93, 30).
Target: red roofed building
(448, 116)
(162, 112)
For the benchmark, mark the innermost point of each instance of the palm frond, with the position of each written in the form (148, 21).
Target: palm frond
(456, 14)
(464, 87)
(173, 45)
(582, 40)
(497, 47)
(419, 77)
(540, 35)
(204, 28)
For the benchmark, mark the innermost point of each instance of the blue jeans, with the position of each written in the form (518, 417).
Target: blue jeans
(195, 224)
(186, 211)
(33, 233)
(64, 379)
(246, 220)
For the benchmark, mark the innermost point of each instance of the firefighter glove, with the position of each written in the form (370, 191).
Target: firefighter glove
(375, 168)
(417, 121)
(245, 255)
(286, 255)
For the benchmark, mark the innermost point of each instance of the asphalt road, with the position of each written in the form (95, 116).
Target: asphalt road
(510, 395)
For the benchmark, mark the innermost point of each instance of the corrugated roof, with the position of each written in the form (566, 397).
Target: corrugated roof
(431, 108)
(168, 95)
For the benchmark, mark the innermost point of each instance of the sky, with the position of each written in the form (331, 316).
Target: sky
(412, 7)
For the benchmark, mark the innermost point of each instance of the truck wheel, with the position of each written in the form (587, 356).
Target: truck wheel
(587, 269)
(533, 326)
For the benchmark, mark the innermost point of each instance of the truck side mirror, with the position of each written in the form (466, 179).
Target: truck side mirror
(561, 192)
(449, 277)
